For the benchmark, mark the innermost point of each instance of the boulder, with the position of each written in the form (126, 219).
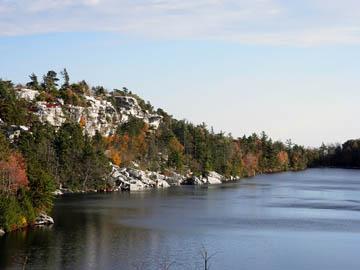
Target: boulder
(62, 191)
(44, 219)
(162, 184)
(175, 179)
(148, 181)
(2, 232)
(135, 173)
(193, 181)
(214, 178)
(136, 185)
(57, 192)
(122, 184)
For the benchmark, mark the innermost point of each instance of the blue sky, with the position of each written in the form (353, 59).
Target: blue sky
(290, 68)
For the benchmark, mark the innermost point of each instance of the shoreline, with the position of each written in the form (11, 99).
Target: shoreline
(142, 183)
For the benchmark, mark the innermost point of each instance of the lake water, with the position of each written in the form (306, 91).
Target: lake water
(293, 220)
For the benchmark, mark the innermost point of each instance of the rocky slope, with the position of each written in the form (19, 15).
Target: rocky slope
(99, 115)
(134, 179)
(131, 179)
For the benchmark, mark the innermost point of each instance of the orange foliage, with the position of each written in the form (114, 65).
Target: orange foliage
(283, 157)
(69, 93)
(140, 143)
(114, 155)
(13, 173)
(175, 145)
(82, 121)
(125, 139)
(48, 97)
(114, 139)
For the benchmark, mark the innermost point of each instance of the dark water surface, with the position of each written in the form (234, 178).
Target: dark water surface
(287, 221)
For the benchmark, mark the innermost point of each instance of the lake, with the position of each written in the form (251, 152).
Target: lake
(293, 220)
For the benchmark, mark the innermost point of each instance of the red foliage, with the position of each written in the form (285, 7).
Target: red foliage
(13, 173)
(250, 161)
(51, 105)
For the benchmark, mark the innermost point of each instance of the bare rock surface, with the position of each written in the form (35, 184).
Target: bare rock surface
(99, 115)
(44, 219)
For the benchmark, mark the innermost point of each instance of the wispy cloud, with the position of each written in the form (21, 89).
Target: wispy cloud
(271, 22)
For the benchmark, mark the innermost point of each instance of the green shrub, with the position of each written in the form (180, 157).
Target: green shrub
(10, 213)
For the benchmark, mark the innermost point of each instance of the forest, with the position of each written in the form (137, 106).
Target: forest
(44, 158)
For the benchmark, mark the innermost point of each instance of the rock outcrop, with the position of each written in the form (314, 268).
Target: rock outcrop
(99, 115)
(211, 178)
(44, 219)
(134, 179)
(14, 131)
(28, 94)
(128, 107)
(62, 191)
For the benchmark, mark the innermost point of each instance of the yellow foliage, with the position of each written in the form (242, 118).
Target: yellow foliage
(116, 159)
(114, 155)
(24, 221)
(82, 121)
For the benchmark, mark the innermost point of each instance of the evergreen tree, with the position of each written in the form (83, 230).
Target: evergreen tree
(34, 83)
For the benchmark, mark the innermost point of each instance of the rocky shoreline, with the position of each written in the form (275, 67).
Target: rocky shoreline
(131, 179)
(42, 220)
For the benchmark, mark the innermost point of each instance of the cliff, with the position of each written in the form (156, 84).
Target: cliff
(98, 114)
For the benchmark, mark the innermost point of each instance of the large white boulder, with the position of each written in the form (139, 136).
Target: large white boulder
(162, 184)
(62, 191)
(214, 178)
(137, 185)
(175, 179)
(44, 219)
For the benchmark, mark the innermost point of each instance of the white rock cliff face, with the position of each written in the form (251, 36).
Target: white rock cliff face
(28, 94)
(99, 115)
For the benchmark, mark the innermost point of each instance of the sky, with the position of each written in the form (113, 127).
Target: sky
(289, 68)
